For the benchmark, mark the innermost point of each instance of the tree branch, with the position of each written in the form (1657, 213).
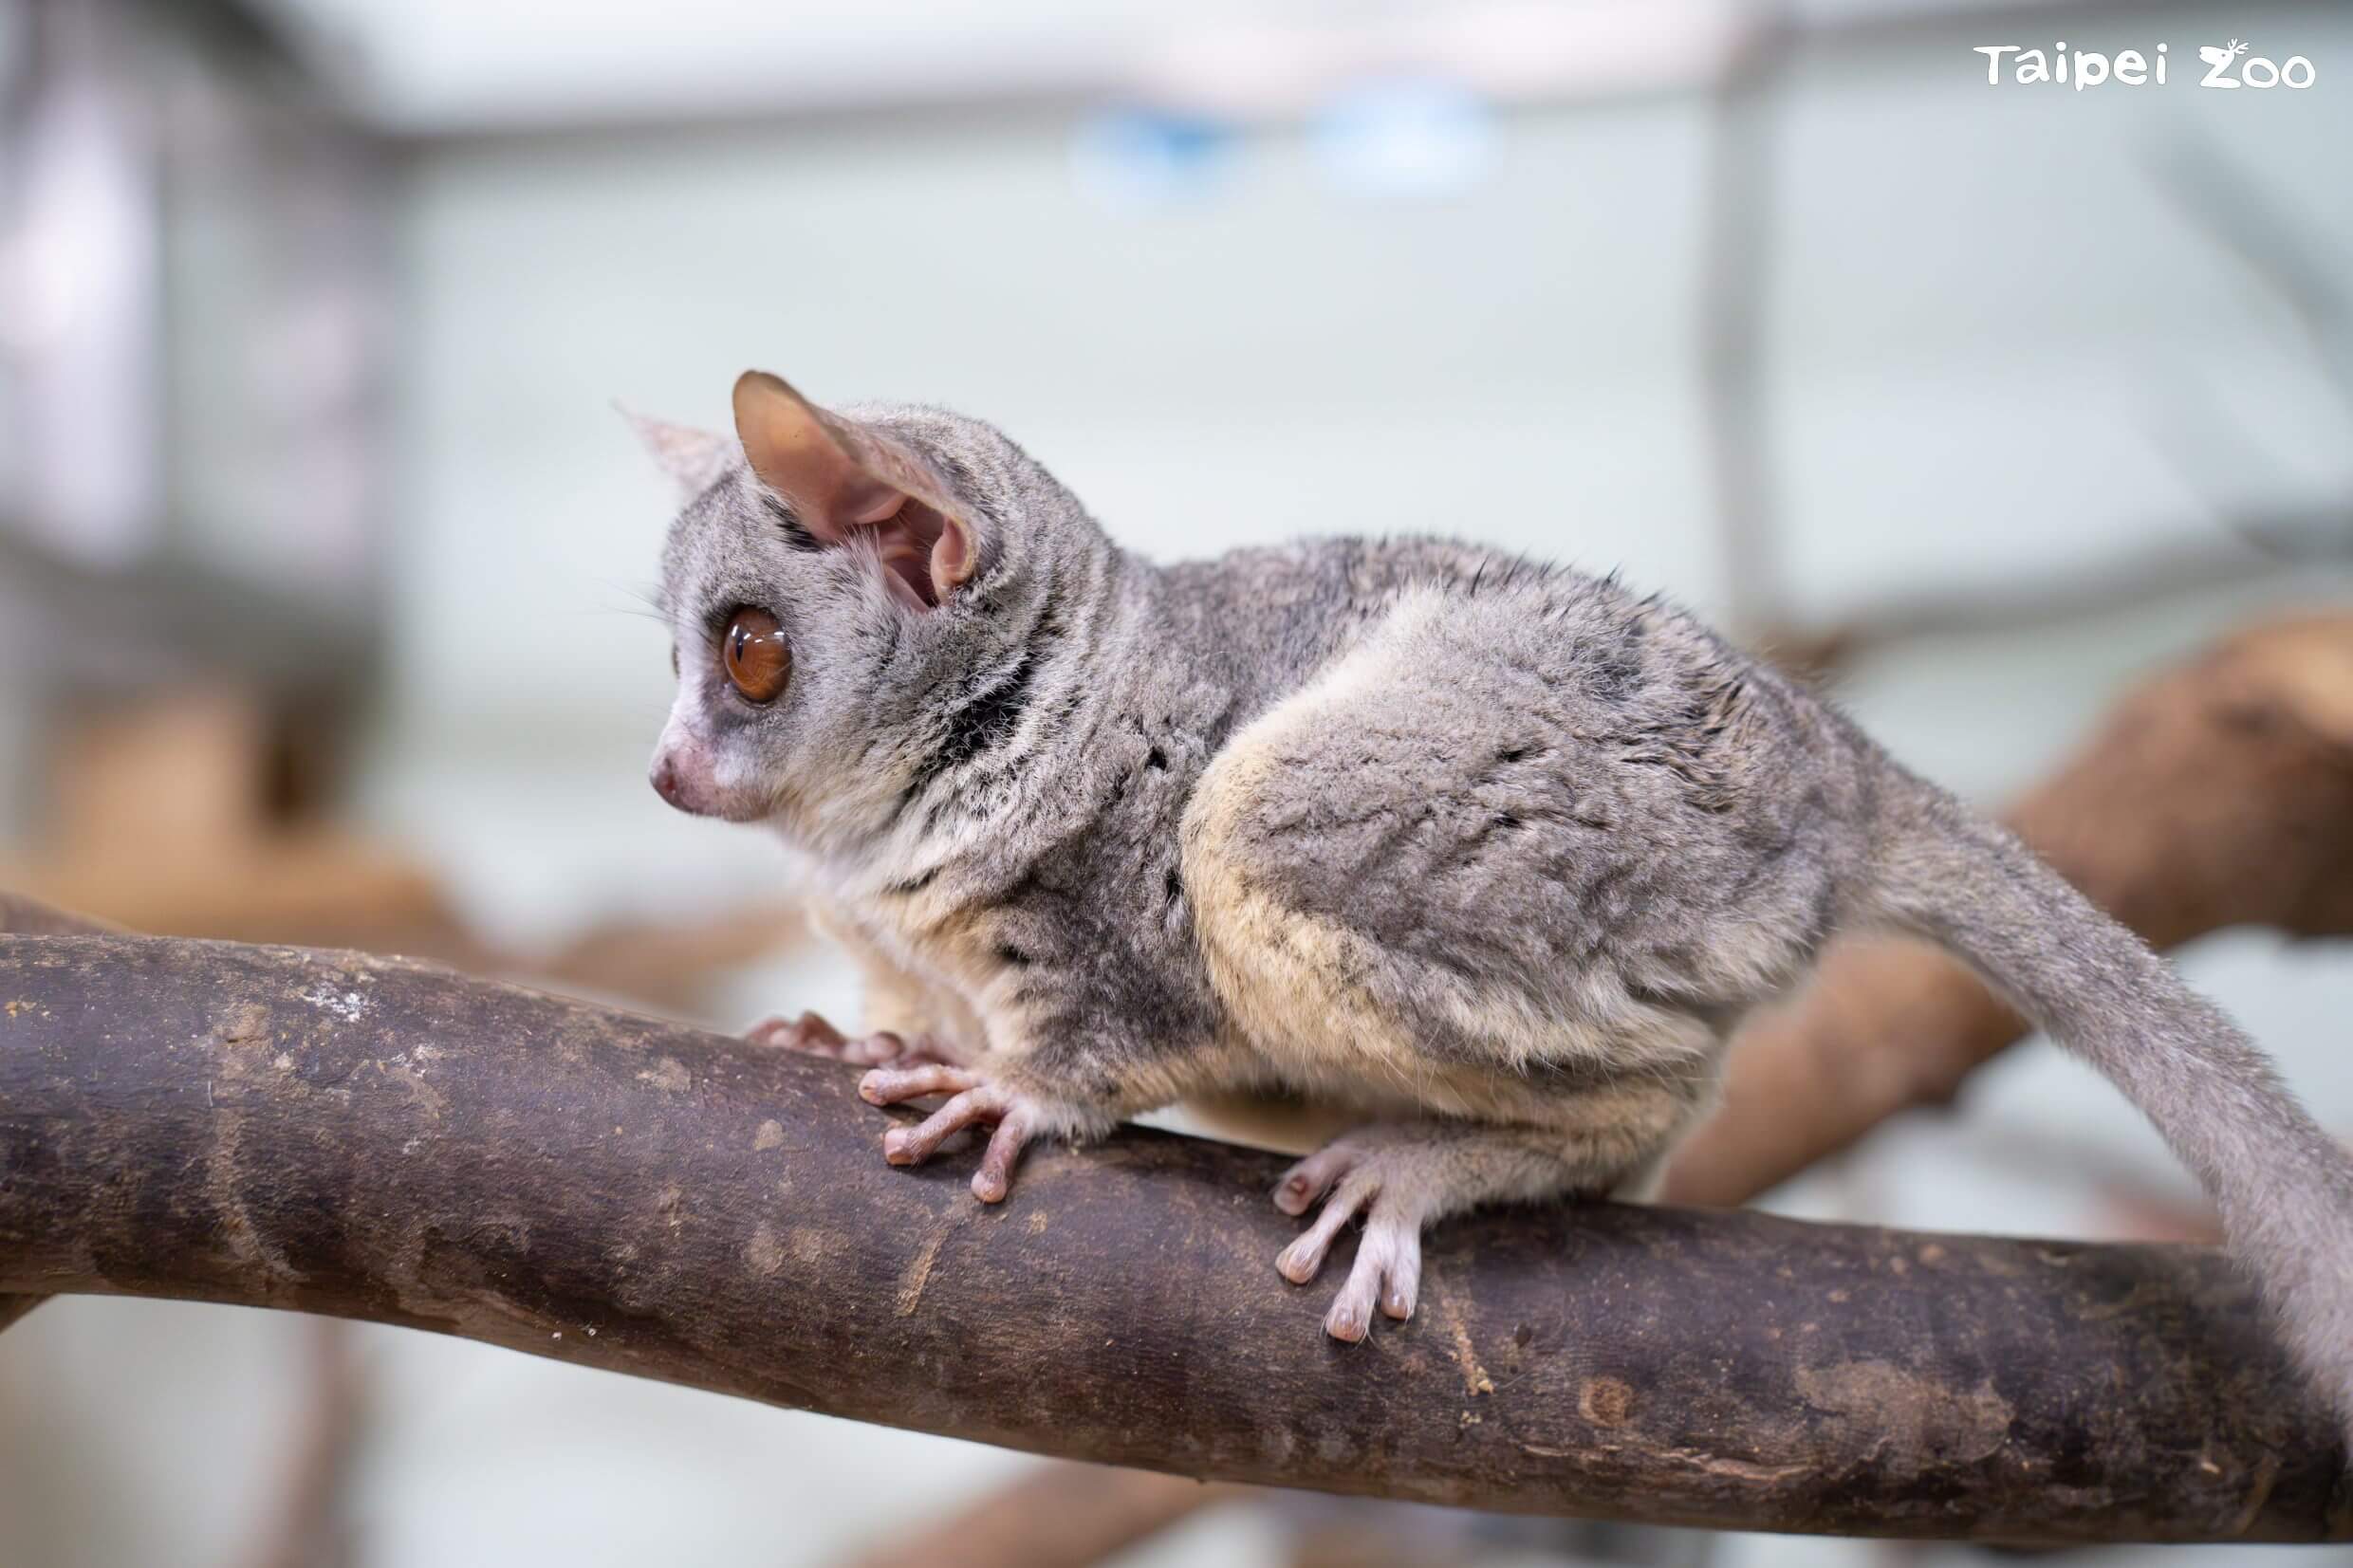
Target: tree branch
(26, 916)
(374, 1138)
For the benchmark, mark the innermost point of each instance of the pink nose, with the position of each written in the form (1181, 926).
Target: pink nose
(666, 781)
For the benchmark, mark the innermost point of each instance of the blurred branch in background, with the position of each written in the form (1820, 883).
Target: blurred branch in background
(310, 1528)
(2253, 549)
(1058, 1515)
(346, 1134)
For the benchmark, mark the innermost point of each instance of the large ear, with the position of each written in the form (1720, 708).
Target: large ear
(840, 477)
(692, 459)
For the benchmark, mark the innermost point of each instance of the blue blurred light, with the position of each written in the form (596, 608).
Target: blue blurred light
(1406, 136)
(1146, 157)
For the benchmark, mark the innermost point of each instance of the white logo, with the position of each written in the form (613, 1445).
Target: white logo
(2220, 59)
(2229, 67)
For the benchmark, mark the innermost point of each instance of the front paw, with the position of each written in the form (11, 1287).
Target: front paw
(979, 1099)
(813, 1035)
(1358, 1176)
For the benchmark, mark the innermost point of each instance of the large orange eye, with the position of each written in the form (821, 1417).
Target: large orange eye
(756, 659)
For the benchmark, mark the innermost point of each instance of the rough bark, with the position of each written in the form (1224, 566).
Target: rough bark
(2219, 794)
(29, 917)
(373, 1138)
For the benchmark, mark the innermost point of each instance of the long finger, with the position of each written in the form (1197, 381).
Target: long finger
(1351, 1316)
(913, 1145)
(889, 1085)
(1395, 1246)
(1298, 1262)
(995, 1177)
(1307, 1181)
(808, 1032)
(878, 1049)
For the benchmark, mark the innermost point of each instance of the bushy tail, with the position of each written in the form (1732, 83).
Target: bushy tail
(2284, 1186)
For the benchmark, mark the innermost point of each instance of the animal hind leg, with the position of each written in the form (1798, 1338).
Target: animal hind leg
(1402, 1177)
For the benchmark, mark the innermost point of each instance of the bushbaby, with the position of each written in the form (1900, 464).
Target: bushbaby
(1488, 854)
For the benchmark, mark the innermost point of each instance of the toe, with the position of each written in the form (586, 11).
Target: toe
(1299, 1261)
(913, 1145)
(1311, 1177)
(1351, 1316)
(931, 1048)
(1387, 1272)
(889, 1085)
(881, 1049)
(809, 1032)
(781, 1032)
(1347, 1322)
(1399, 1247)
(995, 1177)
